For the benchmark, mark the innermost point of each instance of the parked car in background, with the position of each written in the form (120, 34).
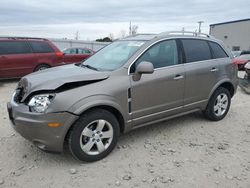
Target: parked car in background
(76, 54)
(244, 52)
(21, 55)
(241, 61)
(236, 53)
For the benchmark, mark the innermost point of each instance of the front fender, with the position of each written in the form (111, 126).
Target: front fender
(100, 100)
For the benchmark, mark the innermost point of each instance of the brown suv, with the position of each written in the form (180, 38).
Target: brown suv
(130, 83)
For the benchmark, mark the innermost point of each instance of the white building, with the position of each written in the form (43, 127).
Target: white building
(235, 34)
(67, 43)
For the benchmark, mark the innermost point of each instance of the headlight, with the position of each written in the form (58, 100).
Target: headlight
(39, 103)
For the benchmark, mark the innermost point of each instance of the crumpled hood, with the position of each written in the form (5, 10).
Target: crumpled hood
(53, 78)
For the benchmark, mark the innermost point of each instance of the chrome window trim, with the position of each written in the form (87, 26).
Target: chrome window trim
(167, 67)
(196, 62)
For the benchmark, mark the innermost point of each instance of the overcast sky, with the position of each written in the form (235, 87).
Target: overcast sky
(97, 18)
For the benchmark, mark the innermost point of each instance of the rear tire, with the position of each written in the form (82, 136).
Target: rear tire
(94, 135)
(41, 67)
(218, 104)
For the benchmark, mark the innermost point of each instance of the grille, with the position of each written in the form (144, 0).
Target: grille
(19, 94)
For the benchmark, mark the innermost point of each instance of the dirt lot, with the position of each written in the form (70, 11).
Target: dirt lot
(184, 152)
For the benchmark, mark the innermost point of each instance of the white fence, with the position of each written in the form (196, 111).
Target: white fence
(61, 44)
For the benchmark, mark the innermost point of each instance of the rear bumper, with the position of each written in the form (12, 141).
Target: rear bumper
(34, 126)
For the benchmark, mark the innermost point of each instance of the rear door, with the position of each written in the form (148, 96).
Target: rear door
(70, 55)
(201, 71)
(84, 53)
(16, 59)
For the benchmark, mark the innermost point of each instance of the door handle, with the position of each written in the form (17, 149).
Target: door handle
(214, 69)
(178, 77)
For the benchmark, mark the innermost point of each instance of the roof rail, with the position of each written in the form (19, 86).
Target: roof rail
(185, 33)
(13, 37)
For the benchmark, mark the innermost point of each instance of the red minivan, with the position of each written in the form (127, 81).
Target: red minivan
(21, 55)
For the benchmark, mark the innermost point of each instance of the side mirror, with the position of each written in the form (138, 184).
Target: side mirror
(145, 68)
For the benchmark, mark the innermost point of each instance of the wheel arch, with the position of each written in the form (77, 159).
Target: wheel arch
(225, 84)
(106, 106)
(40, 64)
(111, 109)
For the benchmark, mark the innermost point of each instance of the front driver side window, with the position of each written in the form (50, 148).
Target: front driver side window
(162, 54)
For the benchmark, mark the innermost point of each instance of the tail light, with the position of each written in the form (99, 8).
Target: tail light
(234, 61)
(59, 54)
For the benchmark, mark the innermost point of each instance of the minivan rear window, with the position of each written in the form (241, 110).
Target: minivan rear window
(196, 50)
(40, 47)
(14, 47)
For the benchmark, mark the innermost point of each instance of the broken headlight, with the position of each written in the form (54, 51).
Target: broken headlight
(39, 103)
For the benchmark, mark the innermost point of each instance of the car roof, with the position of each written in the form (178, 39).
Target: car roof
(22, 38)
(169, 34)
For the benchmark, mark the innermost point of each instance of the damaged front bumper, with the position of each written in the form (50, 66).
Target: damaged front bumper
(34, 126)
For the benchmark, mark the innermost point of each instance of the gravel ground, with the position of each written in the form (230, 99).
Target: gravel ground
(189, 151)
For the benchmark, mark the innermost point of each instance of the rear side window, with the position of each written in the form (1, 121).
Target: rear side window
(40, 47)
(218, 52)
(14, 47)
(83, 51)
(196, 50)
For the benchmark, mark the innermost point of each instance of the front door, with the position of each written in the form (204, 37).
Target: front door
(160, 94)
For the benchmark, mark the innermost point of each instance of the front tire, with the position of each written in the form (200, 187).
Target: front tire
(218, 104)
(94, 135)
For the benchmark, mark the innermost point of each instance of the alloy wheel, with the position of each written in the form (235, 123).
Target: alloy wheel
(96, 137)
(221, 104)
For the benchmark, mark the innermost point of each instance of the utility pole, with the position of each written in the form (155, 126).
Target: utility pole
(183, 30)
(200, 22)
(130, 28)
(77, 35)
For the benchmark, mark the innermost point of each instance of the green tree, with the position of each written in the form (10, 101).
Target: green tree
(105, 39)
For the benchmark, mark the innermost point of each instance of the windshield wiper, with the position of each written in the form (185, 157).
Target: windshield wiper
(90, 67)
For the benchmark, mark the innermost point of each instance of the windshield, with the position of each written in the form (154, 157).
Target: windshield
(113, 56)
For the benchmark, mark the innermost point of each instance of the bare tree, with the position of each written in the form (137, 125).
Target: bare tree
(111, 36)
(123, 33)
(77, 35)
(134, 29)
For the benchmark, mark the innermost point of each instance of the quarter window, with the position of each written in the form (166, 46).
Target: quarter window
(218, 52)
(162, 54)
(40, 47)
(14, 47)
(196, 50)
